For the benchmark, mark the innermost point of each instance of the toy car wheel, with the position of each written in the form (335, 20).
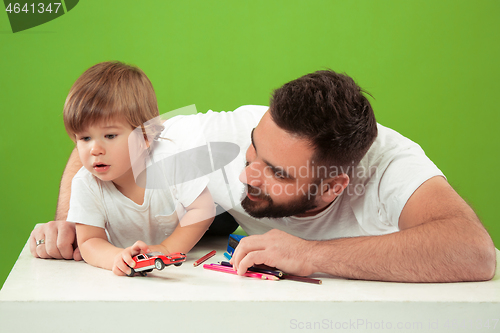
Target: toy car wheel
(178, 264)
(159, 264)
(132, 272)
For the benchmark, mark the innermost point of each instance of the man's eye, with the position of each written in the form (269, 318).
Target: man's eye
(279, 175)
(110, 136)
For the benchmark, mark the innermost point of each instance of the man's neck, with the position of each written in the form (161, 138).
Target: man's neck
(317, 210)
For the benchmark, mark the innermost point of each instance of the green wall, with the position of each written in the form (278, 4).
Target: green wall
(432, 67)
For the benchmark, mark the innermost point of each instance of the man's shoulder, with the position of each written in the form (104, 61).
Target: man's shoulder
(255, 110)
(388, 145)
(394, 159)
(231, 126)
(392, 138)
(246, 114)
(243, 112)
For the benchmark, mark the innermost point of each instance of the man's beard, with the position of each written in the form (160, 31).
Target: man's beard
(299, 205)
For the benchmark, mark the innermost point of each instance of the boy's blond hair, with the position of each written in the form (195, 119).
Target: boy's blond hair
(111, 90)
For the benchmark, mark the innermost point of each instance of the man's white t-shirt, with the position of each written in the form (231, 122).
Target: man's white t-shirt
(393, 168)
(100, 204)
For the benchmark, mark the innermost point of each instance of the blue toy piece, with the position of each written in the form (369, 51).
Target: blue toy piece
(233, 242)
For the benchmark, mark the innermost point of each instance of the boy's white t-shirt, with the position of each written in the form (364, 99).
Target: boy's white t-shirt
(393, 168)
(100, 204)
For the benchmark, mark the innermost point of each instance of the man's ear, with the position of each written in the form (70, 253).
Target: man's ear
(331, 188)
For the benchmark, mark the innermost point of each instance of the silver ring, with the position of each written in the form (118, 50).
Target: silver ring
(40, 242)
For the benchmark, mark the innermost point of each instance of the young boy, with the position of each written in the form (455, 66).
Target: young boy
(116, 218)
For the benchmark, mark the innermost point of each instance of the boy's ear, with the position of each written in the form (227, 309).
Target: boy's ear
(331, 188)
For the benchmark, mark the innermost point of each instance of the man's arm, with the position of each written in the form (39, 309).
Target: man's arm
(440, 240)
(59, 235)
(74, 164)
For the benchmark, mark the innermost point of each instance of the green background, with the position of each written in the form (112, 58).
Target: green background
(432, 67)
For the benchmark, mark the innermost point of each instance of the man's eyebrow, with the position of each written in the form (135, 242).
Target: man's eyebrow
(251, 138)
(278, 169)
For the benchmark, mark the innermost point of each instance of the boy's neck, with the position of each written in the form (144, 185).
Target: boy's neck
(128, 187)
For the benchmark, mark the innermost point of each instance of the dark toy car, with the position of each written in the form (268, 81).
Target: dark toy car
(145, 262)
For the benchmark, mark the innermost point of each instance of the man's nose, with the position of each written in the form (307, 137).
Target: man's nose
(251, 175)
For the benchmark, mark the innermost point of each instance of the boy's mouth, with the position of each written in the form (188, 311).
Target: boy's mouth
(100, 167)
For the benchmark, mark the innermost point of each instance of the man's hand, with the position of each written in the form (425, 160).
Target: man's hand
(277, 249)
(123, 260)
(59, 241)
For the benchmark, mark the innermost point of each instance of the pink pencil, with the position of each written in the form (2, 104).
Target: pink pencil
(230, 270)
(223, 269)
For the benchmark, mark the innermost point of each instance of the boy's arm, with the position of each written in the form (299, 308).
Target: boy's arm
(97, 251)
(59, 235)
(191, 228)
(94, 246)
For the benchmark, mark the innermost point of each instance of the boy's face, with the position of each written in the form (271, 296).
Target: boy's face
(103, 150)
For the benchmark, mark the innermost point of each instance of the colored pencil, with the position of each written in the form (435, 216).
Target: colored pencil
(301, 279)
(248, 273)
(223, 269)
(227, 255)
(277, 273)
(204, 258)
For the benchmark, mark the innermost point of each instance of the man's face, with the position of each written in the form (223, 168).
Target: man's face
(279, 173)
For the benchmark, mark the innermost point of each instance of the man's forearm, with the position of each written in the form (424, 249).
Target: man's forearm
(74, 164)
(441, 251)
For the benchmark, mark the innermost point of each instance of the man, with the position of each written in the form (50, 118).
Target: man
(329, 190)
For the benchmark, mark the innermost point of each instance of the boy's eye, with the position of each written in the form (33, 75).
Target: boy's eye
(110, 136)
(85, 138)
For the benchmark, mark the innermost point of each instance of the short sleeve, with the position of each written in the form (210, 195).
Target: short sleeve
(187, 192)
(404, 174)
(85, 207)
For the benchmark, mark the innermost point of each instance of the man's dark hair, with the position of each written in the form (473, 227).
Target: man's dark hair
(331, 111)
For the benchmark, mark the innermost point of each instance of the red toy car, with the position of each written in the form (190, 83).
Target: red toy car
(145, 262)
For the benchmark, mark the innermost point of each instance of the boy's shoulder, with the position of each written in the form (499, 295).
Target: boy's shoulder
(85, 178)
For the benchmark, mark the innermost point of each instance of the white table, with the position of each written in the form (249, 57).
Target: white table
(61, 296)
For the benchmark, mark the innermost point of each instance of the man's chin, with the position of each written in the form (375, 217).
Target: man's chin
(267, 209)
(254, 208)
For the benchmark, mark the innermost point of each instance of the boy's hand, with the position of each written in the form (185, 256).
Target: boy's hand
(123, 260)
(59, 241)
